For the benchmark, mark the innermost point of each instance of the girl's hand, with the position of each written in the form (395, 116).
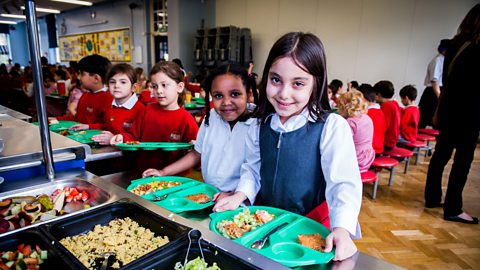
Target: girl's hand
(221, 195)
(79, 127)
(116, 139)
(344, 245)
(103, 138)
(152, 172)
(228, 202)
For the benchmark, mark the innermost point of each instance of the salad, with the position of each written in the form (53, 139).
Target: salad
(154, 186)
(25, 257)
(243, 222)
(196, 264)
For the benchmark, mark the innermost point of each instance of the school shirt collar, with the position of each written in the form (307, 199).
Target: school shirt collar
(128, 104)
(293, 123)
(103, 89)
(411, 105)
(374, 106)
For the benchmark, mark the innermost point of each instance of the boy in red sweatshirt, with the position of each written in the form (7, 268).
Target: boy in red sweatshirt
(410, 114)
(376, 114)
(94, 103)
(384, 93)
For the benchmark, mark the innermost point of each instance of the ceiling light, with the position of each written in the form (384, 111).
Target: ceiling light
(14, 16)
(76, 2)
(46, 10)
(7, 22)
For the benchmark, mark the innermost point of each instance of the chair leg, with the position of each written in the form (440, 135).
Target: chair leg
(390, 180)
(407, 160)
(375, 185)
(417, 154)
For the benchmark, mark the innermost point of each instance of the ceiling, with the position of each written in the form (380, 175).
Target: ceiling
(13, 7)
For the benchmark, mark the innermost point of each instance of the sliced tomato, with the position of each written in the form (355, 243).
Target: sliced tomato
(20, 247)
(69, 198)
(74, 192)
(27, 250)
(84, 196)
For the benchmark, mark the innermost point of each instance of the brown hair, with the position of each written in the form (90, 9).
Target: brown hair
(122, 68)
(173, 71)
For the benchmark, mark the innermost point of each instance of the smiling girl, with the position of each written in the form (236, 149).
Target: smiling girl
(220, 144)
(164, 121)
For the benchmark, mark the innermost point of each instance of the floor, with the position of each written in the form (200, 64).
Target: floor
(397, 228)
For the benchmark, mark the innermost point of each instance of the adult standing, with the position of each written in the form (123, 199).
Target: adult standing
(433, 84)
(459, 127)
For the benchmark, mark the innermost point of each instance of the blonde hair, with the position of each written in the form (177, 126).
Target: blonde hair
(351, 104)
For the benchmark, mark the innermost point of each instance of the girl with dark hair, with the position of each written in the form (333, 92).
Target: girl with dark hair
(304, 156)
(220, 144)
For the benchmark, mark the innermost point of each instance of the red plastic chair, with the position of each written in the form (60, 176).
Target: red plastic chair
(387, 163)
(429, 131)
(417, 146)
(401, 154)
(369, 177)
(426, 138)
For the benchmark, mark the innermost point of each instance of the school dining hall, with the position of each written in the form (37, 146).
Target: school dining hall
(239, 134)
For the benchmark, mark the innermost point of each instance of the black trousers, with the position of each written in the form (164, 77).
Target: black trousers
(464, 142)
(427, 106)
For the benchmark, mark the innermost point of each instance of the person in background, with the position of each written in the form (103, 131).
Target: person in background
(352, 85)
(391, 110)
(459, 128)
(49, 83)
(294, 130)
(74, 94)
(61, 76)
(164, 121)
(377, 116)
(96, 101)
(352, 106)
(141, 79)
(337, 88)
(125, 107)
(220, 145)
(410, 114)
(433, 84)
(147, 96)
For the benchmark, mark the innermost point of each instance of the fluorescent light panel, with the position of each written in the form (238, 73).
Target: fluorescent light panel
(46, 10)
(14, 16)
(7, 22)
(76, 2)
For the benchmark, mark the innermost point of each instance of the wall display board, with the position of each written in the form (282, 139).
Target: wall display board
(114, 44)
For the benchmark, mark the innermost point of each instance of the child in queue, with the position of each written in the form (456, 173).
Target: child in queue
(220, 144)
(391, 110)
(353, 107)
(125, 108)
(164, 121)
(304, 156)
(96, 101)
(376, 114)
(410, 114)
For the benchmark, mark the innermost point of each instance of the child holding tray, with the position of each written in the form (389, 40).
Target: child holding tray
(164, 121)
(220, 144)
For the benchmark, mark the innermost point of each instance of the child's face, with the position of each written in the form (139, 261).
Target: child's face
(405, 101)
(288, 88)
(121, 87)
(229, 97)
(87, 80)
(166, 90)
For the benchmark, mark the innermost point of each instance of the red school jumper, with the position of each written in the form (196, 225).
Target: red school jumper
(391, 111)
(120, 119)
(146, 97)
(91, 107)
(378, 119)
(158, 125)
(409, 123)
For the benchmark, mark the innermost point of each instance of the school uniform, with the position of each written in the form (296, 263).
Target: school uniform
(158, 125)
(222, 152)
(409, 123)
(146, 97)
(304, 146)
(391, 111)
(362, 130)
(378, 120)
(120, 118)
(91, 107)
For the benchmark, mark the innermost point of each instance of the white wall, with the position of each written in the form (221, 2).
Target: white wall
(365, 40)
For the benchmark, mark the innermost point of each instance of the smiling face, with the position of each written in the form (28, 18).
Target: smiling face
(121, 87)
(229, 97)
(288, 88)
(166, 90)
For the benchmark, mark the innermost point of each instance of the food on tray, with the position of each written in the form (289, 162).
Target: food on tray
(21, 211)
(25, 257)
(65, 132)
(196, 264)
(53, 122)
(313, 241)
(82, 132)
(245, 221)
(132, 142)
(154, 186)
(199, 198)
(124, 236)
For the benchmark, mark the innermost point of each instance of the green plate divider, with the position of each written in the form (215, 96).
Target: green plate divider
(165, 146)
(282, 245)
(177, 203)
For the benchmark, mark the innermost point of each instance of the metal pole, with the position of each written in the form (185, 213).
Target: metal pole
(33, 44)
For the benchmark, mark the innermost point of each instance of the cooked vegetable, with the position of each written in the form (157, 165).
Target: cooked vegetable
(45, 201)
(5, 203)
(196, 264)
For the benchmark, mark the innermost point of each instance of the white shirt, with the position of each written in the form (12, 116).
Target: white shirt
(127, 104)
(339, 164)
(434, 71)
(222, 154)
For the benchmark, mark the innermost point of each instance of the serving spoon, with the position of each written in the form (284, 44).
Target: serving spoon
(105, 256)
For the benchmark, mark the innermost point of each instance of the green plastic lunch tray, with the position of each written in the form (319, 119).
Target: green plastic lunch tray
(62, 125)
(282, 245)
(165, 146)
(190, 106)
(84, 136)
(199, 100)
(176, 201)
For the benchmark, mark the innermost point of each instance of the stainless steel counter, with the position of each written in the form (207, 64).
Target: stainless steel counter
(15, 114)
(359, 261)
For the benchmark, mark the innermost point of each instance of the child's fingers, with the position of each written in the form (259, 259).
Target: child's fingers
(328, 244)
(215, 196)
